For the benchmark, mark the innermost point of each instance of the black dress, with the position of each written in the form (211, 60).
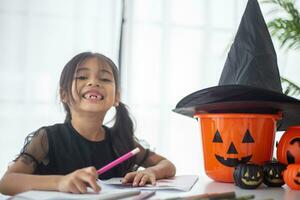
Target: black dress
(60, 149)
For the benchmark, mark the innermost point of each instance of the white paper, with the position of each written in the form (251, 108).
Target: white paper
(183, 183)
(104, 194)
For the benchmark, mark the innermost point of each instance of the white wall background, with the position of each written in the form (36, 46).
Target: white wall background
(171, 48)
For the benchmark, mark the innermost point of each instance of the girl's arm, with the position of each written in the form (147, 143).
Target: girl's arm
(19, 178)
(160, 166)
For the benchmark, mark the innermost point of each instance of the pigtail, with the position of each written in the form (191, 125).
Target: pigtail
(123, 136)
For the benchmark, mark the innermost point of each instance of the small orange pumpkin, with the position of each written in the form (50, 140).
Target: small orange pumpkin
(288, 148)
(291, 176)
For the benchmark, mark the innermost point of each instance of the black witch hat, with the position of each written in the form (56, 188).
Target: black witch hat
(250, 81)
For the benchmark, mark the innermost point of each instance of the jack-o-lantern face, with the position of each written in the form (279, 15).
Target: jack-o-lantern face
(248, 176)
(293, 150)
(273, 173)
(288, 149)
(291, 176)
(232, 162)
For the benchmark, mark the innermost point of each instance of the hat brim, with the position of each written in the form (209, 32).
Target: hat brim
(241, 99)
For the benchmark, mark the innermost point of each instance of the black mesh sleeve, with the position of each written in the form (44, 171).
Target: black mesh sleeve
(35, 149)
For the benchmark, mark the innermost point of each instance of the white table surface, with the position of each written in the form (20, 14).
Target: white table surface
(2, 197)
(206, 185)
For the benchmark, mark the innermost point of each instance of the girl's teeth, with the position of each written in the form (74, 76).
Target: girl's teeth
(93, 97)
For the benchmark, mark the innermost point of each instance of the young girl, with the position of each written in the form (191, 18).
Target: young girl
(65, 156)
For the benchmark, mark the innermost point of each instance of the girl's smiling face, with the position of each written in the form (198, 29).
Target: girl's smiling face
(93, 87)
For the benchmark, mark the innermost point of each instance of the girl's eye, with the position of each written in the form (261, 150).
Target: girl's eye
(105, 79)
(81, 77)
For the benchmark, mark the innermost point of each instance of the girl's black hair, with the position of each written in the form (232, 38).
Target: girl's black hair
(122, 135)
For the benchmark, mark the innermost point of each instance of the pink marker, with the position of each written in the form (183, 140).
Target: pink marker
(118, 161)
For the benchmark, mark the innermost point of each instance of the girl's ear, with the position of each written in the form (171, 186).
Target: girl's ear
(63, 96)
(117, 99)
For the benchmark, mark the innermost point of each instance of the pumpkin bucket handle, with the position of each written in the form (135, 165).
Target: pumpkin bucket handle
(278, 116)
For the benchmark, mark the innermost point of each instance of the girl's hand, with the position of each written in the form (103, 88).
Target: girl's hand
(140, 178)
(78, 181)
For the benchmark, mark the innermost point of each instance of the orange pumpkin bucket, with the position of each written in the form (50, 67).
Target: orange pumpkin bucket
(230, 139)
